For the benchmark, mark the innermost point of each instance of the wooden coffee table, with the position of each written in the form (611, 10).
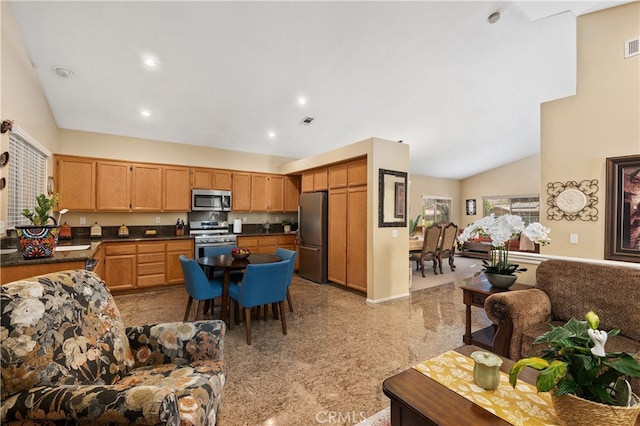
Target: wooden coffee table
(419, 400)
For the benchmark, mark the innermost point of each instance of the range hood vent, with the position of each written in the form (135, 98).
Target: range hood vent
(632, 47)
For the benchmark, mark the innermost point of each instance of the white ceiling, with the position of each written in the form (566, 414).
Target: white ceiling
(463, 93)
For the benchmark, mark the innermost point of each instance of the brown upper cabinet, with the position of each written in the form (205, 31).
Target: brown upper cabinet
(75, 180)
(241, 192)
(113, 186)
(314, 180)
(211, 179)
(90, 184)
(291, 193)
(146, 190)
(176, 194)
(267, 193)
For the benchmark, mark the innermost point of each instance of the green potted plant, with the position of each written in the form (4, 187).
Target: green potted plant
(286, 223)
(40, 238)
(589, 385)
(413, 224)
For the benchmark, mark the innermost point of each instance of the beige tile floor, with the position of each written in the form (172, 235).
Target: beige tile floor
(330, 366)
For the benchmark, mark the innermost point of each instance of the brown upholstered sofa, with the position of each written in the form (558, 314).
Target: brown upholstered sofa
(563, 290)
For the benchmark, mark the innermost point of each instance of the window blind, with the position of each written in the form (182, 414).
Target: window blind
(27, 175)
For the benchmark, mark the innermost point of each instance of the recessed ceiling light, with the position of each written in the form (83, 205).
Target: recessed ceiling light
(63, 72)
(145, 113)
(150, 61)
(302, 100)
(271, 134)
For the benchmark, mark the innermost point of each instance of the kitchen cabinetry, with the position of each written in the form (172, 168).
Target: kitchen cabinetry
(291, 193)
(314, 180)
(146, 190)
(211, 179)
(98, 258)
(15, 273)
(268, 243)
(151, 264)
(176, 194)
(347, 249)
(267, 193)
(174, 273)
(129, 265)
(241, 192)
(120, 266)
(113, 186)
(75, 194)
(122, 186)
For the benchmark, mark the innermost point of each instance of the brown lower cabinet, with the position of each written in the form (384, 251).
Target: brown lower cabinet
(146, 264)
(15, 273)
(347, 252)
(268, 243)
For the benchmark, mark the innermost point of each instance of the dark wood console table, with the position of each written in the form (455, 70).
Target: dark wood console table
(475, 294)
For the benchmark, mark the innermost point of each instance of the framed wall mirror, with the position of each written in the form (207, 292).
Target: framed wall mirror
(392, 199)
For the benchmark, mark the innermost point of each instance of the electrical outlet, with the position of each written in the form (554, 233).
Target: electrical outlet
(244, 219)
(277, 219)
(573, 238)
(83, 220)
(157, 219)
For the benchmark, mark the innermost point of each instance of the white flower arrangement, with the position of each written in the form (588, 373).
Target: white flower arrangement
(501, 229)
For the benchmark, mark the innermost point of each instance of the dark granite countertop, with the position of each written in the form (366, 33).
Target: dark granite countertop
(60, 256)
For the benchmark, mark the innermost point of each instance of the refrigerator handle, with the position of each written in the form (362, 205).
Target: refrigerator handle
(300, 238)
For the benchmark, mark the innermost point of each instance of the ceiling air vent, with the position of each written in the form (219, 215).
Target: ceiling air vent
(632, 47)
(306, 121)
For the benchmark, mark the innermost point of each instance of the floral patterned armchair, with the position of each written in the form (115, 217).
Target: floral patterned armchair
(67, 358)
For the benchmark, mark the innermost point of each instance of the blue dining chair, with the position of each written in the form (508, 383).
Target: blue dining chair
(262, 284)
(198, 286)
(289, 255)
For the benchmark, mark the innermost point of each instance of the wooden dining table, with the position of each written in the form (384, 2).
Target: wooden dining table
(227, 263)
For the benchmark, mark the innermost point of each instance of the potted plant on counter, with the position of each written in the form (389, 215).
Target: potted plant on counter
(286, 223)
(589, 385)
(40, 238)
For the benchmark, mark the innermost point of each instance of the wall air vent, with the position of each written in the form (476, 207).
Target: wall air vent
(306, 121)
(632, 47)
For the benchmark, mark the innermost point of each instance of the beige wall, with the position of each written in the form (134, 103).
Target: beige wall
(518, 178)
(425, 185)
(21, 96)
(600, 121)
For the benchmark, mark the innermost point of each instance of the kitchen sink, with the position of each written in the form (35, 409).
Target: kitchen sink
(73, 248)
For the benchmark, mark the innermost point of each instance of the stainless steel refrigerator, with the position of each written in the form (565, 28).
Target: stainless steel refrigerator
(312, 233)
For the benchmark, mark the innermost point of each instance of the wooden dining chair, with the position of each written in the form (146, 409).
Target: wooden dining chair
(447, 248)
(429, 248)
(263, 284)
(198, 286)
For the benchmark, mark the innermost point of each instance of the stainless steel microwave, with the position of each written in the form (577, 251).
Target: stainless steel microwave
(210, 200)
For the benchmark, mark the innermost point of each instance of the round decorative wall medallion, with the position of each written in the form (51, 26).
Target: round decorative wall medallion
(571, 200)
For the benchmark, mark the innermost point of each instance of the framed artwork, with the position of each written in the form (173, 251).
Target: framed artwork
(471, 207)
(622, 216)
(400, 192)
(392, 198)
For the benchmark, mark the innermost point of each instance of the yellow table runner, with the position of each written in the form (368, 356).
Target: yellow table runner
(522, 406)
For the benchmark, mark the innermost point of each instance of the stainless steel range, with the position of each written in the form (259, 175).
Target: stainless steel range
(209, 233)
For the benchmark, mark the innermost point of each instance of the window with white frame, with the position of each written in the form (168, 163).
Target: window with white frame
(525, 206)
(435, 209)
(27, 175)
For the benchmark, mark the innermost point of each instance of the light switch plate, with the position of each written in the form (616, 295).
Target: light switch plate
(394, 233)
